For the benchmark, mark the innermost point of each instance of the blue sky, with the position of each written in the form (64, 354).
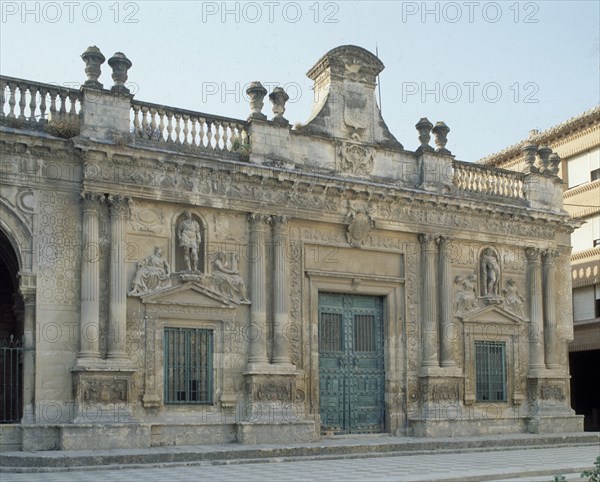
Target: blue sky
(491, 70)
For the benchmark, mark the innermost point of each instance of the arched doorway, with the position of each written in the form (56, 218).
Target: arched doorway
(11, 335)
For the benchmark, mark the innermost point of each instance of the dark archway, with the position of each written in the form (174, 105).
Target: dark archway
(11, 335)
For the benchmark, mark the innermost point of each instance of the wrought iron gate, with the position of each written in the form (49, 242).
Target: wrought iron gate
(11, 379)
(351, 363)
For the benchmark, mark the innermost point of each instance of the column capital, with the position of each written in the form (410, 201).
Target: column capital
(550, 255)
(533, 254)
(428, 241)
(92, 201)
(119, 205)
(259, 219)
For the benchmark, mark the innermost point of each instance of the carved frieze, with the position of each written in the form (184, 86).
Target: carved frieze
(104, 390)
(147, 220)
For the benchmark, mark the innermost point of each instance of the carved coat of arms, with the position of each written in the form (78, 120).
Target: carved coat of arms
(359, 228)
(356, 159)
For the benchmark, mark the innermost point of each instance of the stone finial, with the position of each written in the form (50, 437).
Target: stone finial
(554, 160)
(279, 97)
(440, 131)
(529, 151)
(544, 153)
(256, 92)
(119, 64)
(93, 59)
(424, 127)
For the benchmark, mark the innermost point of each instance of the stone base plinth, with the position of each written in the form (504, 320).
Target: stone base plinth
(114, 436)
(276, 433)
(555, 424)
(460, 427)
(102, 395)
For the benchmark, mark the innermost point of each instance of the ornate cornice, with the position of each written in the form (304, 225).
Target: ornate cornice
(551, 135)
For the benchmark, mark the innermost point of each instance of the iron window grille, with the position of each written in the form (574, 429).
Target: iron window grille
(188, 365)
(490, 371)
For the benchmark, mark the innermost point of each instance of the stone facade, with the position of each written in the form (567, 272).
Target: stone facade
(171, 270)
(577, 143)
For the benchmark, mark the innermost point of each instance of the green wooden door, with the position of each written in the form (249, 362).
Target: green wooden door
(351, 370)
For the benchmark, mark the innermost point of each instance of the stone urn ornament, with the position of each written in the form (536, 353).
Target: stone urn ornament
(93, 59)
(279, 97)
(256, 93)
(120, 64)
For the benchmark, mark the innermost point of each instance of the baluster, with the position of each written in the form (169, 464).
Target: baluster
(145, 125)
(3, 86)
(136, 119)
(43, 94)
(154, 134)
(217, 137)
(161, 124)
(11, 100)
(186, 129)
(22, 100)
(72, 100)
(178, 128)
(63, 97)
(209, 134)
(53, 95)
(169, 126)
(193, 131)
(32, 102)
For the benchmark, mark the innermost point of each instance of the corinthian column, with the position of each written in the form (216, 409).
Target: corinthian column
(550, 346)
(257, 334)
(429, 301)
(117, 312)
(446, 325)
(536, 327)
(89, 327)
(281, 345)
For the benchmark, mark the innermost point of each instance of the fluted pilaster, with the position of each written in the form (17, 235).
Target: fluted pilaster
(445, 316)
(258, 297)
(89, 327)
(429, 304)
(550, 328)
(117, 313)
(281, 344)
(536, 326)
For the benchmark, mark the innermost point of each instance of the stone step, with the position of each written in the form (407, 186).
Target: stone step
(334, 447)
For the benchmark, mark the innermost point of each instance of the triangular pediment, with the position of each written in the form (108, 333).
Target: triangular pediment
(491, 314)
(188, 294)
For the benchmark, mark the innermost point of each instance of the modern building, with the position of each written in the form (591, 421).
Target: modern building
(577, 142)
(176, 277)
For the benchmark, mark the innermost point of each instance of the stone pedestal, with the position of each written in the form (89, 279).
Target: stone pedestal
(548, 397)
(103, 395)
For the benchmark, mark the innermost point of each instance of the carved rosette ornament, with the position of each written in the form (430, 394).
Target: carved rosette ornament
(356, 159)
(359, 228)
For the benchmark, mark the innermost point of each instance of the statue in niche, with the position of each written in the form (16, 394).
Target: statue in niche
(189, 234)
(153, 274)
(490, 270)
(466, 298)
(226, 278)
(512, 299)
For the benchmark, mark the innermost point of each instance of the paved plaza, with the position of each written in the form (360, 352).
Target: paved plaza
(531, 464)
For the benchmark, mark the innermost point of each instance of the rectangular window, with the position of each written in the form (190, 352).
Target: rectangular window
(188, 365)
(595, 175)
(490, 371)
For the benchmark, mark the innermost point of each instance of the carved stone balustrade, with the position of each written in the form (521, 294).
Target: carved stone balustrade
(488, 181)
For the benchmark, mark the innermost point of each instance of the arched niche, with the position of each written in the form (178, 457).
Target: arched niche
(490, 272)
(182, 227)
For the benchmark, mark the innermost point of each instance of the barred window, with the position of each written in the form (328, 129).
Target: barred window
(188, 364)
(490, 371)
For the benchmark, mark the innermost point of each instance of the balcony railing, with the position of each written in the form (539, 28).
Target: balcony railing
(25, 101)
(488, 180)
(187, 128)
